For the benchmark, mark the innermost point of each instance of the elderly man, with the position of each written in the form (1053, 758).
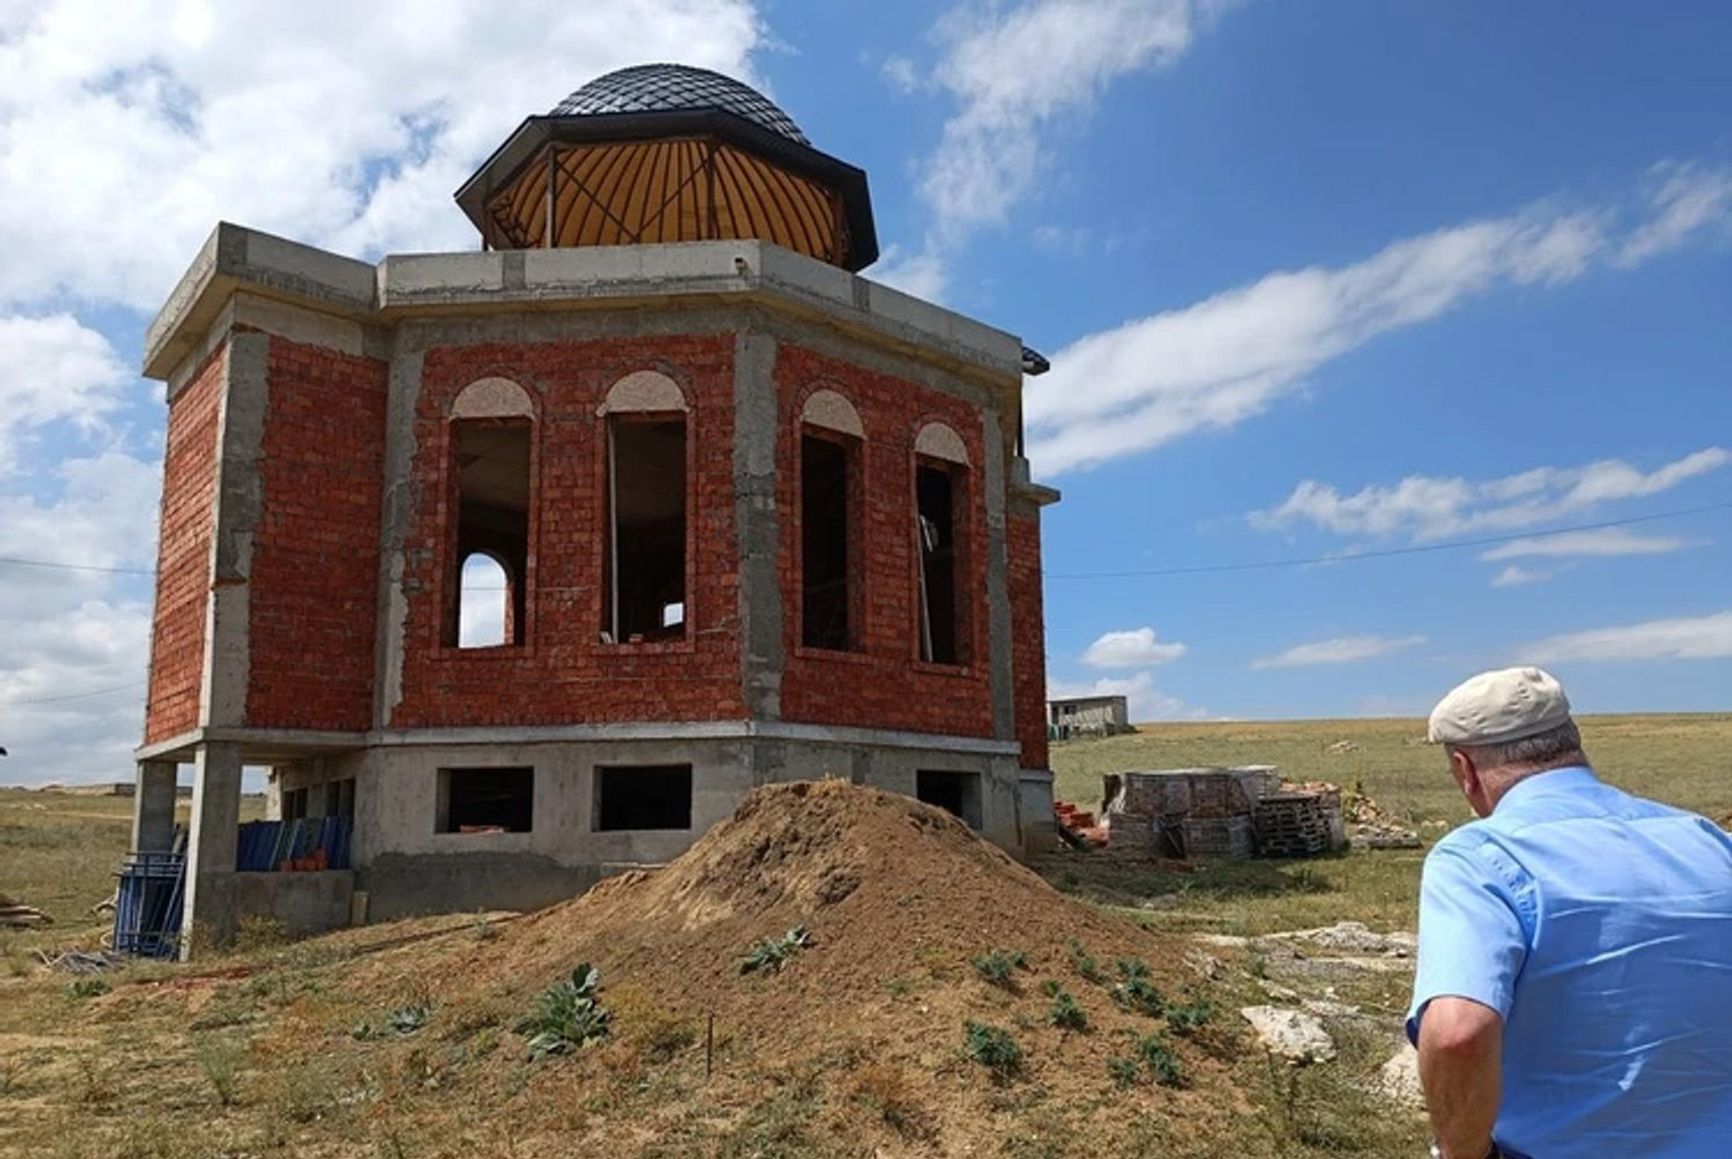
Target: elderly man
(1574, 995)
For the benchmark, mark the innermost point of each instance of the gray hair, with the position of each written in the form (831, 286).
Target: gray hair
(1552, 749)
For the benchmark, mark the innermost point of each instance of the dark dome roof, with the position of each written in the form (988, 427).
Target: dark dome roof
(661, 88)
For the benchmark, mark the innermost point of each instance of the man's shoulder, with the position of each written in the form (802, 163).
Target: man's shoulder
(1480, 851)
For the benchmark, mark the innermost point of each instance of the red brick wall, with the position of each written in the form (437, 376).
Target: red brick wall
(313, 600)
(883, 685)
(562, 673)
(1028, 638)
(183, 554)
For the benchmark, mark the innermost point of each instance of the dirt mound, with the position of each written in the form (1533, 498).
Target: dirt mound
(889, 888)
(864, 1029)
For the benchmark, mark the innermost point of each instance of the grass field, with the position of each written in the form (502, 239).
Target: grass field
(181, 1062)
(59, 851)
(1682, 760)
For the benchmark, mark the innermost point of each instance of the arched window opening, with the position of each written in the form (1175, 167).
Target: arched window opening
(483, 612)
(646, 549)
(829, 544)
(490, 458)
(940, 481)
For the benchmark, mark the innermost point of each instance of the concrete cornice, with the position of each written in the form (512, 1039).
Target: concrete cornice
(405, 286)
(308, 742)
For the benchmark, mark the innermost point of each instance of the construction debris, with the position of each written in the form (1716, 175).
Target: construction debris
(18, 916)
(1369, 827)
(1222, 813)
(81, 961)
(1291, 1034)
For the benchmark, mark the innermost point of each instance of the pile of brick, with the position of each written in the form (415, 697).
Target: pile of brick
(1077, 826)
(1185, 813)
(1370, 827)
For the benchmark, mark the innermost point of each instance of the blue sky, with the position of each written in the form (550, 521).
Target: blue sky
(1318, 280)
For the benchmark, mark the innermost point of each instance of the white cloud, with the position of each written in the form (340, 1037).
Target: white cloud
(1218, 362)
(1132, 648)
(53, 659)
(1427, 508)
(921, 274)
(1605, 541)
(70, 633)
(126, 132)
(901, 74)
(1686, 638)
(1144, 700)
(344, 125)
(1685, 200)
(1016, 71)
(1516, 576)
(1338, 650)
(53, 369)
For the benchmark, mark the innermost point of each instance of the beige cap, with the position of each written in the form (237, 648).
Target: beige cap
(1499, 707)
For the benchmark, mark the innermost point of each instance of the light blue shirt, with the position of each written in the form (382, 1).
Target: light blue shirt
(1599, 925)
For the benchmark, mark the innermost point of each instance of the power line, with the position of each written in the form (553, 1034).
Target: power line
(60, 566)
(75, 695)
(1452, 545)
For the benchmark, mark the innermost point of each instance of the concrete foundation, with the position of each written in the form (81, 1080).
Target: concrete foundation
(405, 865)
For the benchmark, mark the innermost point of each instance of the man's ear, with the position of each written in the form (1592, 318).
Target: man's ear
(1467, 777)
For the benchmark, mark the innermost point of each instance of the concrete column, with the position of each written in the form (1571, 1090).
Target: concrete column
(153, 801)
(1000, 671)
(756, 429)
(396, 516)
(209, 917)
(239, 501)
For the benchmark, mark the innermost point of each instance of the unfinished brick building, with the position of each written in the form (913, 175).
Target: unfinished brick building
(533, 560)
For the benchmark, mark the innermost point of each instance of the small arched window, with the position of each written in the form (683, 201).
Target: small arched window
(483, 612)
(492, 422)
(941, 543)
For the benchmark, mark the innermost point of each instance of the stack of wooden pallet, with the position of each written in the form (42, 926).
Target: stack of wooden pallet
(1296, 824)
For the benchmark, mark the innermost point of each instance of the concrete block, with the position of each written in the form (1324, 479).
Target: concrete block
(288, 264)
(408, 278)
(785, 269)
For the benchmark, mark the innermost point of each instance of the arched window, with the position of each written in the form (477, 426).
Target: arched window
(941, 541)
(830, 503)
(483, 612)
(492, 421)
(645, 573)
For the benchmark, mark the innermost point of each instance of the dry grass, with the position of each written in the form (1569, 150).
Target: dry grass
(1678, 759)
(59, 851)
(1681, 760)
(255, 1053)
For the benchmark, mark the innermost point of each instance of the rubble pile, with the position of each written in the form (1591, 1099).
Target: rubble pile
(1369, 827)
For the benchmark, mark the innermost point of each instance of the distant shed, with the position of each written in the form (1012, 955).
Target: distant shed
(1074, 716)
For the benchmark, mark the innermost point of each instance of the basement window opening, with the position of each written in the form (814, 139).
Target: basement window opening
(340, 798)
(491, 800)
(957, 793)
(643, 797)
(490, 459)
(942, 632)
(827, 542)
(645, 585)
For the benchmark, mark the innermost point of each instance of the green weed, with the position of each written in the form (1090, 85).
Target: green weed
(771, 954)
(993, 1049)
(999, 966)
(567, 1015)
